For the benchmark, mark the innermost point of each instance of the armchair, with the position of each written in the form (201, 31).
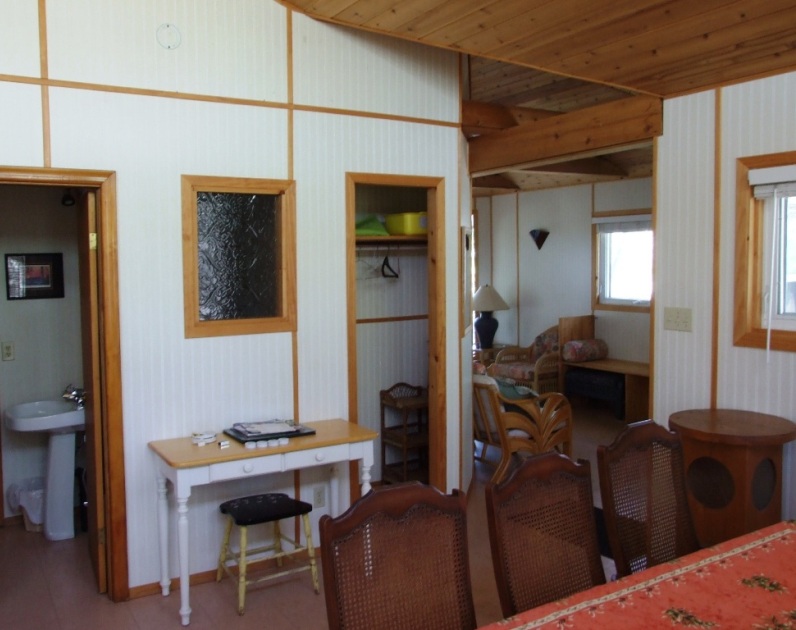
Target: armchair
(535, 366)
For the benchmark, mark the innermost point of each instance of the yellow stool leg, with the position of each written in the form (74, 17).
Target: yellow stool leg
(242, 572)
(311, 552)
(222, 557)
(278, 543)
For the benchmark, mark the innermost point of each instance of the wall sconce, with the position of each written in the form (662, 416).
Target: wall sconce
(539, 237)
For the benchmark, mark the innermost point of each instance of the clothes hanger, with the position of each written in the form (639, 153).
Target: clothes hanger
(386, 269)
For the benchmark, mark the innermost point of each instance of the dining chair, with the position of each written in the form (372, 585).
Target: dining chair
(542, 532)
(397, 558)
(643, 491)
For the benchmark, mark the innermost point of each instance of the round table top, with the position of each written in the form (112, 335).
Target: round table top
(733, 426)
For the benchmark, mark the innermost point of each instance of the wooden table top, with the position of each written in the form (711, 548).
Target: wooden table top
(733, 426)
(183, 453)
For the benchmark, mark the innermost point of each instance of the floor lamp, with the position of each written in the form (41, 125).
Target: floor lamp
(486, 300)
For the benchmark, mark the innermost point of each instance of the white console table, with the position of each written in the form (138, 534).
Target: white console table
(186, 465)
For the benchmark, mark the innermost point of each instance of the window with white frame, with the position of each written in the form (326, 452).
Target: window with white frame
(623, 260)
(778, 205)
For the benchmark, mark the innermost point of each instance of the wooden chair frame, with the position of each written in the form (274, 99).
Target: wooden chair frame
(398, 557)
(643, 491)
(542, 532)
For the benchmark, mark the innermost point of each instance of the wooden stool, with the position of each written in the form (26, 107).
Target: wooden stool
(253, 510)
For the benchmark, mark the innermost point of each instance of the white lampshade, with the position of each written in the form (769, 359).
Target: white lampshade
(486, 300)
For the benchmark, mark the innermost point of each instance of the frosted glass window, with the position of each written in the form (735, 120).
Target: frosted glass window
(238, 249)
(239, 256)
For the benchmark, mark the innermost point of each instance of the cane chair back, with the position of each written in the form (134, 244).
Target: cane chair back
(542, 532)
(397, 558)
(643, 491)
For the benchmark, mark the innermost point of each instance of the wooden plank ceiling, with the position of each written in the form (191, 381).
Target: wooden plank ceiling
(538, 58)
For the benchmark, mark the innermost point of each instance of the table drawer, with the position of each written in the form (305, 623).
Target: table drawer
(244, 468)
(316, 456)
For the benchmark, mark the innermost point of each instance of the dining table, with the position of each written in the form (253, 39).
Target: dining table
(745, 582)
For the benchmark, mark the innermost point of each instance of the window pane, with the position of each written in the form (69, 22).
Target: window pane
(626, 265)
(787, 288)
(239, 257)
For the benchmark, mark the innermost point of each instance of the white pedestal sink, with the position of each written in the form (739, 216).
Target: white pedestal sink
(61, 419)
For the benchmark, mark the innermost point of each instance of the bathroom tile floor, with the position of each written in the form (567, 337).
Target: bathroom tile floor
(49, 585)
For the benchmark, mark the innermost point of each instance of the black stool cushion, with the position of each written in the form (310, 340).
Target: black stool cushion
(263, 508)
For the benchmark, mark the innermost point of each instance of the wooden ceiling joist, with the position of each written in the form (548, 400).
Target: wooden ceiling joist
(585, 166)
(478, 118)
(615, 124)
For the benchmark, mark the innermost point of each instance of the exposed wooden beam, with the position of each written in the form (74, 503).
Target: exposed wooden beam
(494, 181)
(480, 118)
(585, 166)
(578, 133)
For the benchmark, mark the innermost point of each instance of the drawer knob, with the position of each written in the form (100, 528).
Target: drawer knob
(247, 468)
(319, 457)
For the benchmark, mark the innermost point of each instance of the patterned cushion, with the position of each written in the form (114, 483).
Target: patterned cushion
(479, 368)
(584, 350)
(518, 371)
(544, 343)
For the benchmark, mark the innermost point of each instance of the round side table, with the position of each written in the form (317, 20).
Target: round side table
(733, 468)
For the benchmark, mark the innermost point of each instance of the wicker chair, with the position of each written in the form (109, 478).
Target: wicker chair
(530, 427)
(535, 366)
(397, 558)
(543, 533)
(485, 428)
(642, 485)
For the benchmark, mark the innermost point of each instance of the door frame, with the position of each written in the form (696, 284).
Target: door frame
(109, 400)
(437, 368)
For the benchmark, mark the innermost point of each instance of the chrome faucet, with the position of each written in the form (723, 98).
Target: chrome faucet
(76, 395)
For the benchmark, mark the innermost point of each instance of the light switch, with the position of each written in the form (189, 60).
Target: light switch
(7, 349)
(677, 319)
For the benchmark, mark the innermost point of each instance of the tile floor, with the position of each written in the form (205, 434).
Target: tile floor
(49, 585)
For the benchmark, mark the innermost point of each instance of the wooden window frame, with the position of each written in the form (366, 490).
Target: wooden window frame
(286, 320)
(748, 328)
(596, 304)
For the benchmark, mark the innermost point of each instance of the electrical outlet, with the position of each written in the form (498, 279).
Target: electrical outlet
(677, 319)
(7, 349)
(319, 497)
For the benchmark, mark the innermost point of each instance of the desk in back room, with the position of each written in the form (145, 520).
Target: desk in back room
(186, 465)
(636, 375)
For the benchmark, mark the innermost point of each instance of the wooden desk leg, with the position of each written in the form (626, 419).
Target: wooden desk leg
(163, 535)
(185, 573)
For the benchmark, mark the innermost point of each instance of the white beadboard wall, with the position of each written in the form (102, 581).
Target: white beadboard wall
(503, 275)
(20, 124)
(19, 39)
(339, 67)
(684, 253)
(171, 385)
(236, 50)
(554, 280)
(466, 465)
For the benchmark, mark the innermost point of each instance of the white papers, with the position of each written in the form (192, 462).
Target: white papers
(266, 427)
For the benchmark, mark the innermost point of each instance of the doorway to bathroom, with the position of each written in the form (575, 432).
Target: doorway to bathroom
(93, 193)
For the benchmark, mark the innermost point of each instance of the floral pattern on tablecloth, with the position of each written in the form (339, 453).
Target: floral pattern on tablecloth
(749, 582)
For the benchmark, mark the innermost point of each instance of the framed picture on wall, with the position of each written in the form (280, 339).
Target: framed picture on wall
(33, 276)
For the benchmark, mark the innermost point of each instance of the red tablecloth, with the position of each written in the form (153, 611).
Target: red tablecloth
(746, 582)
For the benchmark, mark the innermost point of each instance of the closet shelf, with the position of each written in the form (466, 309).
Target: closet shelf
(414, 239)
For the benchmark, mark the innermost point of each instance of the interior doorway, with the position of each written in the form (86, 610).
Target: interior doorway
(107, 522)
(432, 192)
